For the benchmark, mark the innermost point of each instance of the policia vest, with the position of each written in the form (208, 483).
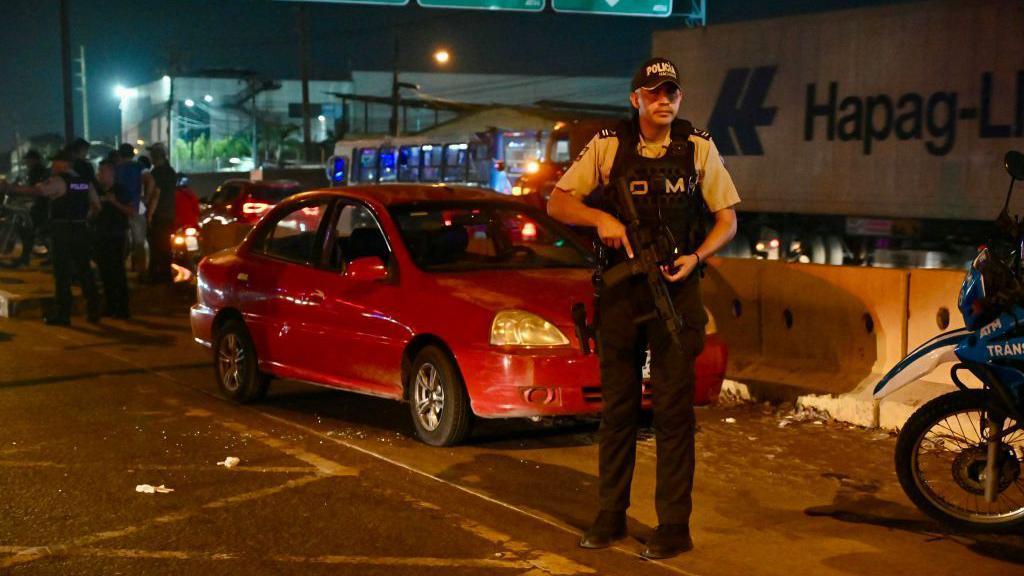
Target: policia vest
(73, 206)
(665, 191)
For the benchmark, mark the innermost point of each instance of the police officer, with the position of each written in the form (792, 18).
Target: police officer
(673, 172)
(72, 200)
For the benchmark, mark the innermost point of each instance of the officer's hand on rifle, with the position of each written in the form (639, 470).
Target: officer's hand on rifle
(613, 233)
(684, 266)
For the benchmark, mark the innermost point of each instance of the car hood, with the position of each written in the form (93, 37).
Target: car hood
(549, 292)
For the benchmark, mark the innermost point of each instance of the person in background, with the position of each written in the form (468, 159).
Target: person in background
(129, 176)
(160, 213)
(73, 200)
(82, 166)
(36, 172)
(111, 227)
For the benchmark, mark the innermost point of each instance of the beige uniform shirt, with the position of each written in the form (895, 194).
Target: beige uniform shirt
(593, 166)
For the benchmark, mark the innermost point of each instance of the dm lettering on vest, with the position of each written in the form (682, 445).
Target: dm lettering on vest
(640, 187)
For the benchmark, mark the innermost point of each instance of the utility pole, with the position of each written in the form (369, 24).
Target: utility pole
(65, 60)
(171, 131)
(84, 90)
(393, 127)
(307, 151)
(255, 155)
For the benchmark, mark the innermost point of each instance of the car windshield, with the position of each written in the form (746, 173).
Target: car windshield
(481, 236)
(274, 194)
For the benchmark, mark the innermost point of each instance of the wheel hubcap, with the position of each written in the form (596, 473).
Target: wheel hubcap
(230, 359)
(428, 396)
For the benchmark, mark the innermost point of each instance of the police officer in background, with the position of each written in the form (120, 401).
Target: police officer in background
(653, 142)
(72, 200)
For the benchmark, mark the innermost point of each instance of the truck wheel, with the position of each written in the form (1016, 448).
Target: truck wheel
(438, 400)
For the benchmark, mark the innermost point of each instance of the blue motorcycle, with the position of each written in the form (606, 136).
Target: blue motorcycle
(959, 456)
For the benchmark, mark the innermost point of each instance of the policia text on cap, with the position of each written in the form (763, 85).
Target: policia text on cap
(674, 174)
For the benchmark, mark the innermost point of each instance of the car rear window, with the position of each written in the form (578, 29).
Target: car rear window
(482, 236)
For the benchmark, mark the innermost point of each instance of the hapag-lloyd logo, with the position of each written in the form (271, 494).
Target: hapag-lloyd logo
(740, 109)
(929, 118)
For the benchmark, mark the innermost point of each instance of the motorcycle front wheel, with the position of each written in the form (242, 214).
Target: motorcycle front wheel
(941, 458)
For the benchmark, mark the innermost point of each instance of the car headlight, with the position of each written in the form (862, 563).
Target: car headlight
(520, 328)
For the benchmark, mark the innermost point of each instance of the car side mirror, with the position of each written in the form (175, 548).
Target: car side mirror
(367, 269)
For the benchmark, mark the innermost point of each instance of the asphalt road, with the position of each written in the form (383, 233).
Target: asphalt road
(331, 482)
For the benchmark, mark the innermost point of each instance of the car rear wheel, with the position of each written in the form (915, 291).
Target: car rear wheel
(235, 364)
(437, 399)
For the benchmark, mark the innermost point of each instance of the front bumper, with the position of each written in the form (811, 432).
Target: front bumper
(511, 383)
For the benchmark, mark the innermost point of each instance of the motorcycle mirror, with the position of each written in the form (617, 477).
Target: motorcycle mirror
(1014, 162)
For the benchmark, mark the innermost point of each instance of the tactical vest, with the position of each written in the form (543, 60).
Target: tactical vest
(74, 204)
(665, 190)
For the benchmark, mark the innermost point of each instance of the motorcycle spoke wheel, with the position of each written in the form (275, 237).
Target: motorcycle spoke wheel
(949, 462)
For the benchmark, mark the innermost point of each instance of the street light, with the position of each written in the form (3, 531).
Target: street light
(442, 56)
(124, 93)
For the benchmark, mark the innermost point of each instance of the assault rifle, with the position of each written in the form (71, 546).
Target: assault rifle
(651, 250)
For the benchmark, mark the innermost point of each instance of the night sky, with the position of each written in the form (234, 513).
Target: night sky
(136, 42)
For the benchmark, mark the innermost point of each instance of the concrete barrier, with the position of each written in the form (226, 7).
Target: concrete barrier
(823, 336)
(931, 311)
(818, 335)
(731, 290)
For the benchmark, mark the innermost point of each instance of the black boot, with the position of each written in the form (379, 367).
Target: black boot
(668, 540)
(607, 528)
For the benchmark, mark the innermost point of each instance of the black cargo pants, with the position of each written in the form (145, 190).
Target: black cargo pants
(71, 258)
(621, 341)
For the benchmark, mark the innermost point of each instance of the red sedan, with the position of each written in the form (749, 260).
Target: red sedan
(455, 300)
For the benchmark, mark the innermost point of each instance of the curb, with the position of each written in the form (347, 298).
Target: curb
(855, 407)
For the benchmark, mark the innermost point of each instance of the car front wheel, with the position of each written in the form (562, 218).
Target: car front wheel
(235, 363)
(438, 399)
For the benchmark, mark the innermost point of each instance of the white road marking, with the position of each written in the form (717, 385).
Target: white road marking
(430, 562)
(495, 501)
(32, 554)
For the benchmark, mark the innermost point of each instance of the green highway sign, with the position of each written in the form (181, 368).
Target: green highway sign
(651, 8)
(374, 2)
(516, 5)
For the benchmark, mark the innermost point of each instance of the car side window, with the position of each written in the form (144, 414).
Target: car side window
(294, 235)
(357, 234)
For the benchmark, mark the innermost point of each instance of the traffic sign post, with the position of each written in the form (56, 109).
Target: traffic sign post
(512, 5)
(649, 8)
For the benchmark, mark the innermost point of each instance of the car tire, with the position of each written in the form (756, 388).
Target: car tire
(236, 365)
(438, 401)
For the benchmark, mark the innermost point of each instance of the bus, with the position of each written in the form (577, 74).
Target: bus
(492, 159)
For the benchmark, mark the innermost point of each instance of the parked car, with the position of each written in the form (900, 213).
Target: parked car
(455, 300)
(227, 217)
